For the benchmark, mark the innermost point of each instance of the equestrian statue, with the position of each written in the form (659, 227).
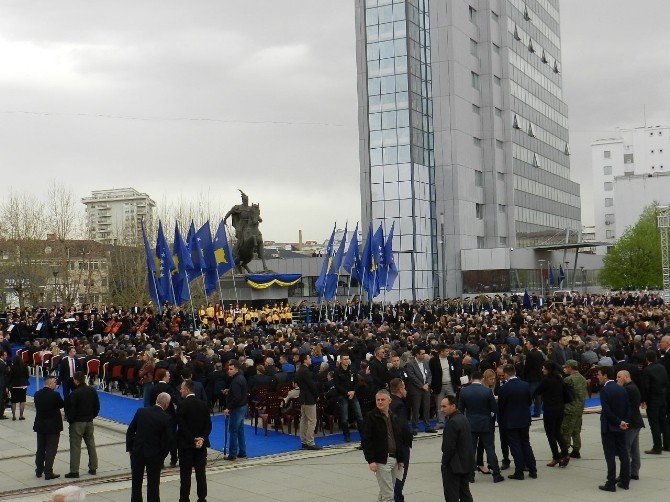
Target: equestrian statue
(249, 240)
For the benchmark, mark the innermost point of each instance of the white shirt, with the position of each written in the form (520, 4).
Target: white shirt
(423, 370)
(446, 370)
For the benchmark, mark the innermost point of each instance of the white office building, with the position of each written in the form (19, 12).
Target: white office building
(630, 171)
(114, 216)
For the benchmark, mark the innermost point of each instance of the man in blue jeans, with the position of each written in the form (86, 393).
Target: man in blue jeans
(345, 384)
(236, 409)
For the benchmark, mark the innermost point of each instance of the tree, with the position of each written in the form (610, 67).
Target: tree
(635, 260)
(63, 214)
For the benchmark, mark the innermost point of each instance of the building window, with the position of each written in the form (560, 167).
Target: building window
(474, 79)
(607, 154)
(479, 178)
(473, 14)
(652, 151)
(627, 158)
(496, 48)
(609, 202)
(477, 141)
(479, 211)
(609, 234)
(473, 48)
(502, 208)
(498, 112)
(609, 219)
(496, 79)
(499, 144)
(503, 241)
(495, 16)
(481, 242)
(609, 186)
(607, 170)
(475, 109)
(500, 176)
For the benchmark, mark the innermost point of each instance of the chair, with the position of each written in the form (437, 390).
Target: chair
(25, 356)
(55, 361)
(292, 416)
(269, 410)
(104, 385)
(92, 370)
(116, 375)
(323, 416)
(592, 381)
(46, 363)
(283, 389)
(255, 397)
(584, 368)
(130, 381)
(37, 364)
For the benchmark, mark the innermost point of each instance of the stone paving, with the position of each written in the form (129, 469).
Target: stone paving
(337, 473)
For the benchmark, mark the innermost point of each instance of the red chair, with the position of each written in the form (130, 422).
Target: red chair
(46, 363)
(130, 381)
(292, 416)
(255, 398)
(283, 390)
(92, 370)
(37, 363)
(117, 375)
(323, 416)
(269, 411)
(104, 383)
(25, 355)
(55, 361)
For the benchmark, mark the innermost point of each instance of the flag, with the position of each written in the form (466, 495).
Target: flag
(332, 276)
(526, 300)
(151, 270)
(223, 256)
(391, 268)
(561, 275)
(551, 275)
(320, 284)
(352, 262)
(367, 263)
(183, 267)
(164, 266)
(203, 239)
(194, 252)
(378, 265)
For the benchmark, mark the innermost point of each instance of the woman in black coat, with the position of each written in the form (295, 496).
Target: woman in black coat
(18, 383)
(553, 392)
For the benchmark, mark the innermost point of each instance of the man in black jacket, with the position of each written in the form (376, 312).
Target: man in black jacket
(147, 439)
(48, 426)
(399, 408)
(532, 372)
(4, 380)
(163, 385)
(635, 423)
(67, 367)
(81, 407)
(345, 383)
(383, 445)
(446, 374)
(378, 370)
(308, 391)
(654, 392)
(236, 409)
(458, 456)
(193, 427)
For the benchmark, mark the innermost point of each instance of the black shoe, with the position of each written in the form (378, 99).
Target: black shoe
(22, 418)
(241, 455)
(653, 452)
(505, 465)
(635, 477)
(347, 439)
(92, 472)
(230, 457)
(575, 454)
(311, 447)
(517, 475)
(2, 417)
(415, 432)
(607, 488)
(430, 430)
(532, 475)
(173, 464)
(72, 475)
(38, 473)
(537, 416)
(51, 476)
(471, 479)
(622, 486)
(497, 478)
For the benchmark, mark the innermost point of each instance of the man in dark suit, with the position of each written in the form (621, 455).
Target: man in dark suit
(479, 406)
(636, 423)
(458, 455)
(378, 370)
(399, 408)
(654, 394)
(614, 421)
(193, 427)
(67, 367)
(418, 388)
(514, 407)
(532, 372)
(4, 380)
(163, 385)
(148, 439)
(81, 407)
(664, 349)
(445, 371)
(48, 426)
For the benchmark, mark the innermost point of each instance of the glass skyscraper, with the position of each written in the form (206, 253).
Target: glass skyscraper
(463, 133)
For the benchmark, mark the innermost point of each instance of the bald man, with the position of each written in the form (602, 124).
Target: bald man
(635, 423)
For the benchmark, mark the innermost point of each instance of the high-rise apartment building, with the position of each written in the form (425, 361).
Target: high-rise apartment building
(114, 216)
(463, 134)
(630, 171)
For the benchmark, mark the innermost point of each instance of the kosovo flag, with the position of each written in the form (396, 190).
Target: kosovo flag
(194, 252)
(320, 284)
(378, 266)
(151, 270)
(367, 262)
(332, 276)
(203, 238)
(561, 274)
(391, 268)
(184, 267)
(164, 266)
(352, 262)
(222, 253)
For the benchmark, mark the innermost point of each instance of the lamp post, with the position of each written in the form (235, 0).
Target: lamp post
(583, 279)
(567, 281)
(542, 278)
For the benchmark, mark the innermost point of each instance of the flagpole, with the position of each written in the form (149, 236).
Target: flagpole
(237, 300)
(157, 297)
(188, 286)
(218, 284)
(174, 296)
(371, 298)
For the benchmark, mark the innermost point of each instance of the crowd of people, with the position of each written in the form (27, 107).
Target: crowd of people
(386, 371)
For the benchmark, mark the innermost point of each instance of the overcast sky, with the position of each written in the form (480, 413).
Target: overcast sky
(192, 98)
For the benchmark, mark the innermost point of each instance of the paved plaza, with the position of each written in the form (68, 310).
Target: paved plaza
(337, 473)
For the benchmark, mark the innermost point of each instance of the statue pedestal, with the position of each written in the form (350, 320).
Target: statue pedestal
(249, 295)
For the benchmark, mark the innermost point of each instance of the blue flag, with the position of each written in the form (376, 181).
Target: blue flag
(391, 268)
(551, 275)
(203, 238)
(222, 252)
(151, 270)
(352, 262)
(561, 275)
(367, 261)
(526, 300)
(192, 246)
(320, 284)
(184, 267)
(378, 265)
(332, 276)
(164, 268)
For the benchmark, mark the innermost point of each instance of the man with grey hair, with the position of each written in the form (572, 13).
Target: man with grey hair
(69, 494)
(148, 440)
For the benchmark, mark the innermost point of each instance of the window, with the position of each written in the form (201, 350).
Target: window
(477, 141)
(609, 202)
(652, 151)
(503, 241)
(609, 234)
(479, 178)
(475, 109)
(496, 48)
(608, 186)
(473, 14)
(473, 48)
(627, 158)
(500, 176)
(498, 112)
(607, 154)
(474, 78)
(609, 219)
(495, 16)
(496, 79)
(607, 170)
(499, 144)
(481, 242)
(502, 208)
(479, 211)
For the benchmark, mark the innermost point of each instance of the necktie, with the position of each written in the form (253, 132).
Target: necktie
(71, 367)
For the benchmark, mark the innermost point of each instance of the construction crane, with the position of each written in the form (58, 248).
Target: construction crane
(663, 221)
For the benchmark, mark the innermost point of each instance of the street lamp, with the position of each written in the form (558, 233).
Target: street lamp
(583, 279)
(542, 278)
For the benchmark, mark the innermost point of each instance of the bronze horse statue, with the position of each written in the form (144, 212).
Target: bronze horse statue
(245, 221)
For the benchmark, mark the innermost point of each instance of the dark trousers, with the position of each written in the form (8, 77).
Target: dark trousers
(504, 444)
(614, 445)
(3, 400)
(485, 439)
(658, 423)
(400, 483)
(138, 463)
(420, 400)
(47, 445)
(67, 388)
(522, 452)
(456, 486)
(189, 459)
(552, 427)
